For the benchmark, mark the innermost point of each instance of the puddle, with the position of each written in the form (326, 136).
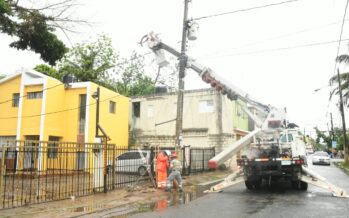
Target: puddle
(89, 208)
(172, 199)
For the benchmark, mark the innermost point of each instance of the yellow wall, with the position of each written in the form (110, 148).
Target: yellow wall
(6, 110)
(31, 112)
(115, 125)
(54, 122)
(71, 119)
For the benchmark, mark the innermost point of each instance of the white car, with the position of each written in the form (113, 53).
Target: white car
(132, 162)
(321, 157)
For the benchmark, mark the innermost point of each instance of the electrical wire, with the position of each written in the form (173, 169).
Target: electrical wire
(340, 36)
(245, 9)
(56, 112)
(274, 38)
(278, 49)
(10, 100)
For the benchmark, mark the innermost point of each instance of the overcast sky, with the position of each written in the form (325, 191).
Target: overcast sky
(278, 54)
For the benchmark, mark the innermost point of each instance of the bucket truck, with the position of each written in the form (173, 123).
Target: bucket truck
(270, 152)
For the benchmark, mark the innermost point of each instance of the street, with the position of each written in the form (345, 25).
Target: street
(278, 201)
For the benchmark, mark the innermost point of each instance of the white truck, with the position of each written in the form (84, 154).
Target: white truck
(268, 153)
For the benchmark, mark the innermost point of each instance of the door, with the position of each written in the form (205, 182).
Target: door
(10, 152)
(31, 152)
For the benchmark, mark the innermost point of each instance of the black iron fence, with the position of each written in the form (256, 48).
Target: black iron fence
(40, 171)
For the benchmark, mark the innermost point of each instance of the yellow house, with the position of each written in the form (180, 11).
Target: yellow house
(34, 106)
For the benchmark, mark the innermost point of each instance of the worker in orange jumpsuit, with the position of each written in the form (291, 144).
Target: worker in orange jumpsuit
(162, 165)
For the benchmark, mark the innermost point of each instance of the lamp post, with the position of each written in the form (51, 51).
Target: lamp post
(96, 95)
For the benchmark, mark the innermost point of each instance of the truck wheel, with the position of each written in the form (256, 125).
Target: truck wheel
(249, 185)
(300, 185)
(142, 171)
(304, 186)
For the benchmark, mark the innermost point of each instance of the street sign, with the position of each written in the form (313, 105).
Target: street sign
(334, 144)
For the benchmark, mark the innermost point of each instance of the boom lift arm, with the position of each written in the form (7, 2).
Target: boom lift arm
(269, 119)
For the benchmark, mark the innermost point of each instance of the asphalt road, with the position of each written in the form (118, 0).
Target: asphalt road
(278, 201)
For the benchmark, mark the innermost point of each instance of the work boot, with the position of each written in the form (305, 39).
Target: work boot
(167, 189)
(180, 190)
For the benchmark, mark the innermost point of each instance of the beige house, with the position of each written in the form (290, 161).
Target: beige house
(209, 119)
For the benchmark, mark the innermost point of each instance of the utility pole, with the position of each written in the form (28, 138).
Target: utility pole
(182, 65)
(345, 146)
(332, 131)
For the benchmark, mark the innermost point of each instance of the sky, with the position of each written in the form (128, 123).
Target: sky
(278, 54)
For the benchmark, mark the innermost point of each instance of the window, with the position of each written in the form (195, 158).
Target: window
(206, 106)
(112, 107)
(52, 151)
(150, 111)
(9, 142)
(82, 113)
(15, 99)
(34, 95)
(136, 108)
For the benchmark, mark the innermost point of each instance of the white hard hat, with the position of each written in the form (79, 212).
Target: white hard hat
(168, 152)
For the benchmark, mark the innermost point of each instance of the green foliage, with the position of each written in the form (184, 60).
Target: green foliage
(132, 79)
(99, 63)
(2, 76)
(92, 61)
(326, 139)
(49, 71)
(31, 28)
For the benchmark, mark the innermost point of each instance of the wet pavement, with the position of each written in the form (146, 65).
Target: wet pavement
(279, 200)
(119, 203)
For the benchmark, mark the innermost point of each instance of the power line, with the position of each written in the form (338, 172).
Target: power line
(9, 100)
(56, 112)
(245, 9)
(278, 49)
(276, 37)
(340, 36)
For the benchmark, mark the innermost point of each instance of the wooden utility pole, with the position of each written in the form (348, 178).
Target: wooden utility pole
(345, 146)
(182, 65)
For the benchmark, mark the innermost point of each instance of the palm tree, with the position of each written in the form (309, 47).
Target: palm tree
(344, 85)
(344, 77)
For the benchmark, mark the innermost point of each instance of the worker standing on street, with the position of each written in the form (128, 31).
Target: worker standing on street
(176, 168)
(162, 165)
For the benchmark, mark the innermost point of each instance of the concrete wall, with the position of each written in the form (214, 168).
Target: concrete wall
(208, 119)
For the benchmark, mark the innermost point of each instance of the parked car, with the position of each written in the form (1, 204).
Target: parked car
(321, 157)
(132, 162)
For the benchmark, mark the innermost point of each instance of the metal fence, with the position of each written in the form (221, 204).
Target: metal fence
(42, 171)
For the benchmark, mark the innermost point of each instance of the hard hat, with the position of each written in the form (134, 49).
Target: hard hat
(174, 154)
(167, 152)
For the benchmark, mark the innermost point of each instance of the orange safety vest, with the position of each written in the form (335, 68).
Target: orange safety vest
(162, 162)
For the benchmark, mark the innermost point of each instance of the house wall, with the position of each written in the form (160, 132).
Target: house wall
(114, 124)
(31, 112)
(6, 90)
(213, 126)
(54, 123)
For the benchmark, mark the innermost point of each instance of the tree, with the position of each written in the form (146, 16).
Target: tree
(133, 80)
(344, 78)
(2, 76)
(98, 62)
(94, 61)
(34, 27)
(49, 71)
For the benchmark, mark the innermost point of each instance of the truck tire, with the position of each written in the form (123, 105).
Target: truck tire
(249, 185)
(304, 186)
(300, 185)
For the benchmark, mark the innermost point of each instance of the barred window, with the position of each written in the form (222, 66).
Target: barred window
(15, 99)
(112, 107)
(52, 151)
(34, 95)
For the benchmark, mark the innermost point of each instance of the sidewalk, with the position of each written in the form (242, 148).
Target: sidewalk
(123, 201)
